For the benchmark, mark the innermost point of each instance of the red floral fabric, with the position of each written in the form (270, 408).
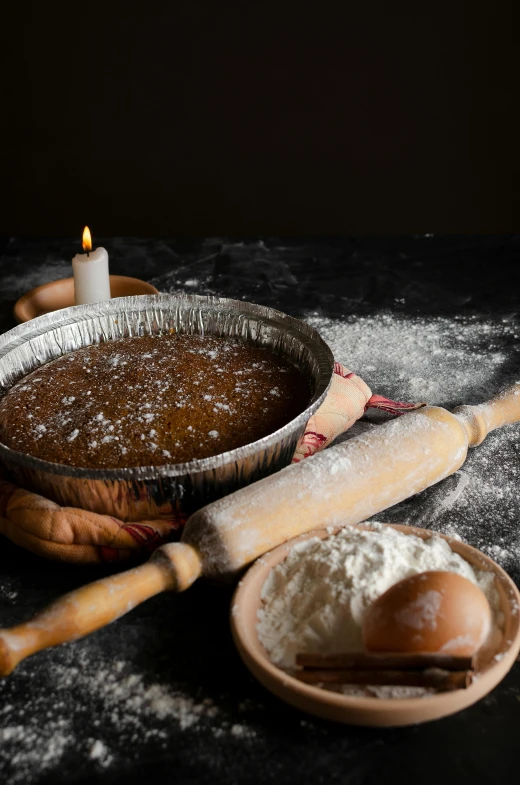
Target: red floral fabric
(347, 400)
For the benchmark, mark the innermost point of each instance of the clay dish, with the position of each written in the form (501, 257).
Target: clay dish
(60, 294)
(493, 663)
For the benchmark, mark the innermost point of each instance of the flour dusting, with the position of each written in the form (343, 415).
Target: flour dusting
(444, 361)
(86, 697)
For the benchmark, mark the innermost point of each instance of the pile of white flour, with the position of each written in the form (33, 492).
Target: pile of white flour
(315, 600)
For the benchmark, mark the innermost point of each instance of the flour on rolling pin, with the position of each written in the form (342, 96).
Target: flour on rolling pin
(315, 600)
(344, 484)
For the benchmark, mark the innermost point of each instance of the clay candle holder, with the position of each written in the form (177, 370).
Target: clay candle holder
(60, 294)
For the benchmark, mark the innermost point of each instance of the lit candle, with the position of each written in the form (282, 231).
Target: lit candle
(91, 280)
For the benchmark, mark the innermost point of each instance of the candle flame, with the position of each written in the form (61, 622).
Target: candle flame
(87, 240)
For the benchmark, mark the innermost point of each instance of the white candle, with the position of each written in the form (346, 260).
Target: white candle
(91, 280)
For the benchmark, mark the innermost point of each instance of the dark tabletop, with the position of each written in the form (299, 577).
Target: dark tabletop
(91, 711)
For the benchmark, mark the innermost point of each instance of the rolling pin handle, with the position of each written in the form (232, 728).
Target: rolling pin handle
(480, 420)
(172, 567)
(181, 561)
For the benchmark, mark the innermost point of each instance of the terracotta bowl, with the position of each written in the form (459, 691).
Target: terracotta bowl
(60, 294)
(492, 667)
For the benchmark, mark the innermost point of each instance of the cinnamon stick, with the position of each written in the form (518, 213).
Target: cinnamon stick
(401, 661)
(436, 678)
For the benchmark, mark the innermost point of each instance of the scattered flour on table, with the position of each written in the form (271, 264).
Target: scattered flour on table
(99, 752)
(85, 695)
(445, 361)
(315, 600)
(8, 590)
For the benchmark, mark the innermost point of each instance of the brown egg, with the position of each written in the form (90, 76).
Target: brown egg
(432, 611)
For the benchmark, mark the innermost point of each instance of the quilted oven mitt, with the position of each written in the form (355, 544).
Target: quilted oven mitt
(73, 535)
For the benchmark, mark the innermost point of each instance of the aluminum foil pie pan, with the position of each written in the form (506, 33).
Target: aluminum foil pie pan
(148, 492)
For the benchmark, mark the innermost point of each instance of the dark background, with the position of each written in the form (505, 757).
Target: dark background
(200, 118)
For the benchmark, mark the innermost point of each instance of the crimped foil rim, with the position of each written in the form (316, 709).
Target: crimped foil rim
(66, 316)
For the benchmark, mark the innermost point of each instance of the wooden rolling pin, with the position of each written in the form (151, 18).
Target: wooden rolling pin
(344, 484)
